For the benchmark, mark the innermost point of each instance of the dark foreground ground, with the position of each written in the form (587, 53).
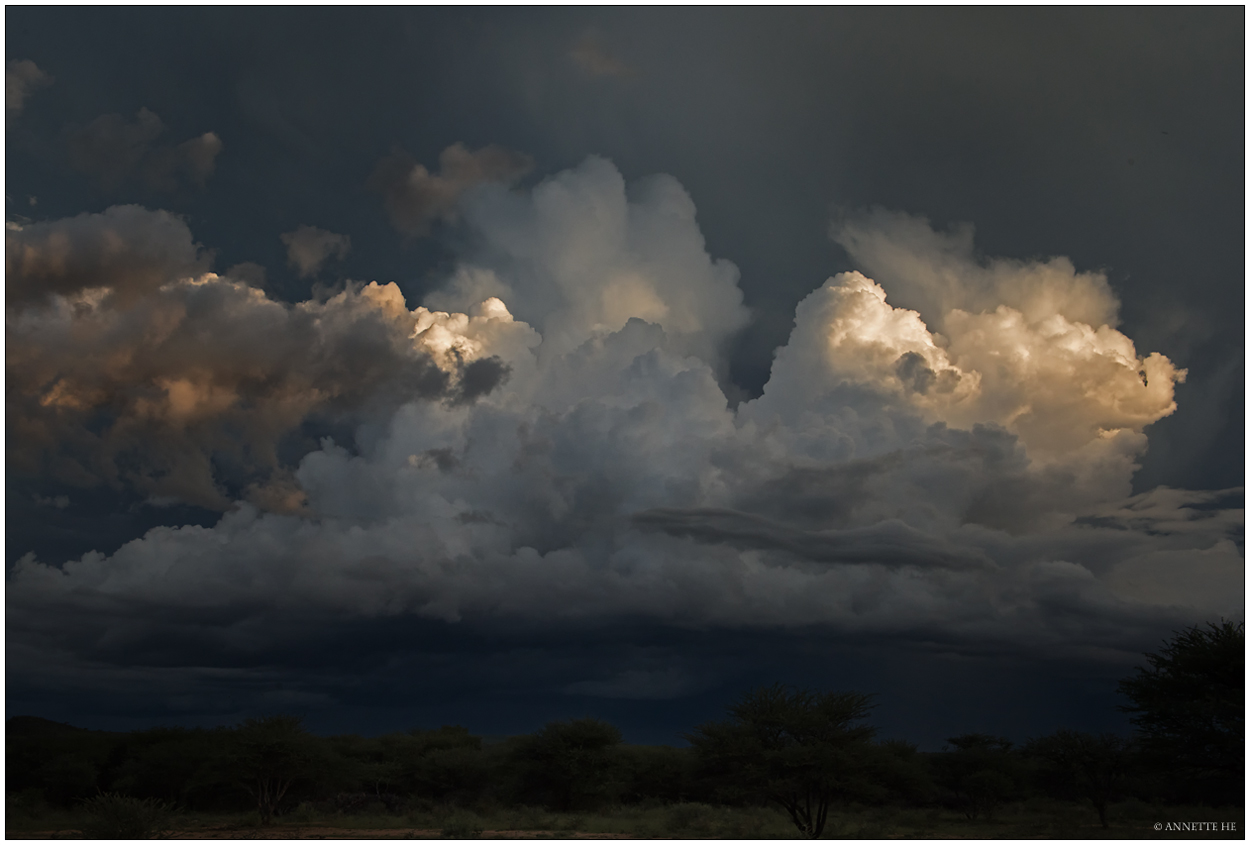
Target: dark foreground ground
(1031, 819)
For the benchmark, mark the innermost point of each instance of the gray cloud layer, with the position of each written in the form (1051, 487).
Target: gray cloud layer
(888, 543)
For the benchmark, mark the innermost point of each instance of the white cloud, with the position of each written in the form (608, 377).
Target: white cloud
(582, 253)
(937, 273)
(856, 368)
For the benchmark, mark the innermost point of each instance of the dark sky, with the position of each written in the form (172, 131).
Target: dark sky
(638, 480)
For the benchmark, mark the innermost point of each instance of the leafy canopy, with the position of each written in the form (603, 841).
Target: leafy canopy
(1188, 704)
(798, 748)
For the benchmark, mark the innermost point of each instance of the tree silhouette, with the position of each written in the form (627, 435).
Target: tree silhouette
(568, 764)
(270, 755)
(1085, 765)
(797, 748)
(1189, 705)
(979, 771)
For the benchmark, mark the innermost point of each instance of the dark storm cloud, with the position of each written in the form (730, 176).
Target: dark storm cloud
(415, 198)
(114, 151)
(889, 543)
(22, 78)
(481, 377)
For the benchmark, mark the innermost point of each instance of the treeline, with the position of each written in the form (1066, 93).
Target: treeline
(801, 750)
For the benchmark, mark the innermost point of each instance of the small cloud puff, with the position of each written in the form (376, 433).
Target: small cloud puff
(115, 151)
(415, 198)
(592, 57)
(308, 247)
(22, 77)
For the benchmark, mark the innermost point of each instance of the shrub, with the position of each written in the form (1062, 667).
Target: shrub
(462, 826)
(115, 816)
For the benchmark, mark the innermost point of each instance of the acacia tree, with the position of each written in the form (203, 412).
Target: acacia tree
(978, 771)
(1086, 765)
(270, 755)
(1188, 705)
(798, 748)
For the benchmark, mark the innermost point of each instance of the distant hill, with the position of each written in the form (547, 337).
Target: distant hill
(35, 726)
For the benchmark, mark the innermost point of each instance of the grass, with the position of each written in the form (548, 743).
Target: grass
(1029, 819)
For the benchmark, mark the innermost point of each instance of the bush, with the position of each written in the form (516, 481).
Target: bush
(462, 826)
(115, 816)
(699, 818)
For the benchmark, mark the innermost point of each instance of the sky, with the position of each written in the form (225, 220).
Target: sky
(401, 367)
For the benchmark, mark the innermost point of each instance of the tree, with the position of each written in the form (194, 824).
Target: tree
(797, 748)
(63, 762)
(1188, 706)
(656, 773)
(1084, 765)
(431, 765)
(271, 754)
(978, 771)
(173, 765)
(569, 764)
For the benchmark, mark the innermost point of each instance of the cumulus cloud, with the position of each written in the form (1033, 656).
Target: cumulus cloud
(968, 486)
(115, 151)
(415, 198)
(308, 247)
(22, 77)
(1075, 394)
(583, 253)
(938, 273)
(150, 372)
